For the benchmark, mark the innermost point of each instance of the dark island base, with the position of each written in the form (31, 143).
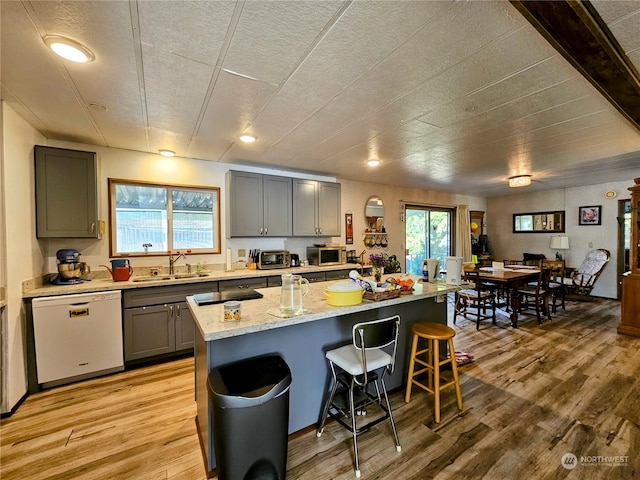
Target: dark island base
(303, 347)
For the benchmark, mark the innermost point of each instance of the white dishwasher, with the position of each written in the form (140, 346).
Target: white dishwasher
(77, 336)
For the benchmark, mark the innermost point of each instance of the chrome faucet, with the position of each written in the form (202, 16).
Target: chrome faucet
(172, 261)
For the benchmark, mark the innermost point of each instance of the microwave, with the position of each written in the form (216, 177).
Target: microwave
(326, 255)
(268, 259)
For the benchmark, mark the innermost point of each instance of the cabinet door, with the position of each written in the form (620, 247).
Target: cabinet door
(305, 195)
(277, 206)
(314, 277)
(337, 274)
(185, 327)
(148, 331)
(245, 204)
(329, 209)
(66, 193)
(242, 284)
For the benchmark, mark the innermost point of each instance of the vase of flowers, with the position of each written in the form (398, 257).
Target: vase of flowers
(378, 262)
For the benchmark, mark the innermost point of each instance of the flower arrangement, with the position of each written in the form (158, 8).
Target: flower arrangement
(379, 260)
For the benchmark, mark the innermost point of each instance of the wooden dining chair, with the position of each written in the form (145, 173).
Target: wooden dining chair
(536, 294)
(556, 285)
(476, 298)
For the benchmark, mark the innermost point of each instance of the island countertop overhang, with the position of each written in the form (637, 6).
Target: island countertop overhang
(256, 316)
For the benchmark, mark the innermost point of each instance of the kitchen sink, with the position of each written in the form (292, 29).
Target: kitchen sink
(178, 276)
(150, 279)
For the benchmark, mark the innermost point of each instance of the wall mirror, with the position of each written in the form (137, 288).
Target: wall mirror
(374, 213)
(538, 222)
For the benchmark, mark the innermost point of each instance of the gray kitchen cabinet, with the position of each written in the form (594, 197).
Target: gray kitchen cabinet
(242, 284)
(337, 274)
(157, 320)
(259, 205)
(66, 193)
(314, 277)
(316, 208)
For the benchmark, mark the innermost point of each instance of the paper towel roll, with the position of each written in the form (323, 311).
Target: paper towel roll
(228, 259)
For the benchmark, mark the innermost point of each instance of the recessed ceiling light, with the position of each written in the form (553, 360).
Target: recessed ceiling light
(69, 49)
(166, 153)
(520, 181)
(247, 138)
(374, 162)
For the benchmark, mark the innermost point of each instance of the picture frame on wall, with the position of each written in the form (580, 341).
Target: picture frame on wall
(348, 224)
(590, 215)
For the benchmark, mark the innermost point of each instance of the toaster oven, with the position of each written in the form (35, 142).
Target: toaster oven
(268, 259)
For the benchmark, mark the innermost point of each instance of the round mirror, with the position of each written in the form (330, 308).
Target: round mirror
(374, 213)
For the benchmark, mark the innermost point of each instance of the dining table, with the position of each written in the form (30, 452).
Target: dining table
(511, 277)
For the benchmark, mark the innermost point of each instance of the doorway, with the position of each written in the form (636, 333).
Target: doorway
(428, 234)
(624, 240)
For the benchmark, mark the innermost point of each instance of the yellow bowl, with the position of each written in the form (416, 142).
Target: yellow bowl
(344, 298)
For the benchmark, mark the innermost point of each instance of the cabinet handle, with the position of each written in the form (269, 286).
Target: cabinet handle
(261, 231)
(93, 227)
(178, 311)
(266, 229)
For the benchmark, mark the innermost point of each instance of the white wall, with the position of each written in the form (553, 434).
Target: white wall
(28, 257)
(24, 258)
(507, 245)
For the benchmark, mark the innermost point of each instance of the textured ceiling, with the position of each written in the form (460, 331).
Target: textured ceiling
(453, 96)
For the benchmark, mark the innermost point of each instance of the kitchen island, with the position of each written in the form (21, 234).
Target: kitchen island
(301, 341)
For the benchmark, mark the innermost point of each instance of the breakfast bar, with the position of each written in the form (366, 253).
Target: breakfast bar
(301, 341)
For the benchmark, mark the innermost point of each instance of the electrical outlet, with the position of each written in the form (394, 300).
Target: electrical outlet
(242, 252)
(590, 244)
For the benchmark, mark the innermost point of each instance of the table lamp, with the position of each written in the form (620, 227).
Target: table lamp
(559, 242)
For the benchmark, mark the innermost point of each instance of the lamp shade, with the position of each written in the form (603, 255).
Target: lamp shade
(559, 242)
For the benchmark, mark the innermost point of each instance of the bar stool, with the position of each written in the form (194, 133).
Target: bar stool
(433, 333)
(356, 366)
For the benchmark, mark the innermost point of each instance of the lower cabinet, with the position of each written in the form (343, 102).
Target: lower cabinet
(158, 322)
(157, 330)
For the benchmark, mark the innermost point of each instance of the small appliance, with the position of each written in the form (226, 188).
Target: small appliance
(70, 269)
(268, 259)
(295, 260)
(454, 270)
(326, 255)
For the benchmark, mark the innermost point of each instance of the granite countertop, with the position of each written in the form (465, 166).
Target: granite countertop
(101, 280)
(256, 316)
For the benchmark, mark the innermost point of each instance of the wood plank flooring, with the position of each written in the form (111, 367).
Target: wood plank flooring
(532, 395)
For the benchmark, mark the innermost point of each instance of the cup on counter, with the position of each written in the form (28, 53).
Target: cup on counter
(232, 311)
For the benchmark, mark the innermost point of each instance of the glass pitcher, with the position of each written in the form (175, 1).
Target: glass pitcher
(292, 292)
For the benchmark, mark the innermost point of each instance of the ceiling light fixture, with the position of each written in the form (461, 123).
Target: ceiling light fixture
(69, 49)
(246, 138)
(166, 153)
(520, 181)
(373, 162)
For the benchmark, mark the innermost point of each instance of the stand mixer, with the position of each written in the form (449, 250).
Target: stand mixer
(70, 270)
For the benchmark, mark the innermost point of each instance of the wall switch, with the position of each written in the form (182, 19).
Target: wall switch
(242, 252)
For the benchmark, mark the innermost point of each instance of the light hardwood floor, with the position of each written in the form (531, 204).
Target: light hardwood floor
(532, 395)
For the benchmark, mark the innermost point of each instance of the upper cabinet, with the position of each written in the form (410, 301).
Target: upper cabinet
(66, 193)
(316, 208)
(259, 205)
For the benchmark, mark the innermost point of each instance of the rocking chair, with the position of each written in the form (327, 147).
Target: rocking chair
(579, 286)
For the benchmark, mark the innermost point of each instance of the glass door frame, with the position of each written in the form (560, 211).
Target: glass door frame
(451, 213)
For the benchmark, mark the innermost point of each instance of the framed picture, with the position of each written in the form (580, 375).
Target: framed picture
(348, 222)
(590, 215)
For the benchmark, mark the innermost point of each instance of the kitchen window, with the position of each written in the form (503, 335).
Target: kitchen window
(148, 219)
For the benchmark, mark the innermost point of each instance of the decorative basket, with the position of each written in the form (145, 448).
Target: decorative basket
(377, 296)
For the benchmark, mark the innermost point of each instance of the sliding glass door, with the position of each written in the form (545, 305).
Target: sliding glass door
(428, 234)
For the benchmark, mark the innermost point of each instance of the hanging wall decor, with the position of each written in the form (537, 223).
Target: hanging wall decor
(348, 221)
(590, 215)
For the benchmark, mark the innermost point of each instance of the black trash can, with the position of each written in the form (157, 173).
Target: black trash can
(250, 405)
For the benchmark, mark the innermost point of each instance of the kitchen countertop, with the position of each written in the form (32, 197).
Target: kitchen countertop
(101, 280)
(256, 316)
